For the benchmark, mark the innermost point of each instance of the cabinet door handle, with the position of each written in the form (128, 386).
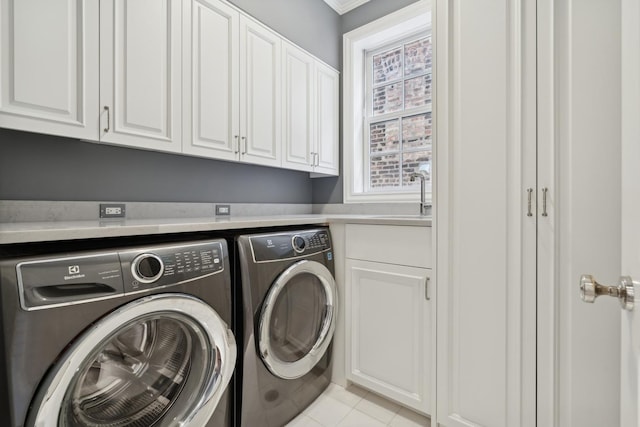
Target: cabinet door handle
(426, 289)
(529, 195)
(544, 201)
(244, 145)
(317, 159)
(236, 144)
(106, 130)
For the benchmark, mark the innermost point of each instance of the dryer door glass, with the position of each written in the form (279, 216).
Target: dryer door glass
(158, 361)
(298, 319)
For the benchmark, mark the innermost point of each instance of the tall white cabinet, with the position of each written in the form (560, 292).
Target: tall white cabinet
(486, 258)
(527, 199)
(49, 66)
(141, 75)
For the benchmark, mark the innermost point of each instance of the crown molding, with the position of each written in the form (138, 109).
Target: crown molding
(344, 6)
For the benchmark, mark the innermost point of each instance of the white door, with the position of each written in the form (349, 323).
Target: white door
(260, 97)
(140, 73)
(390, 330)
(49, 66)
(630, 333)
(298, 108)
(211, 81)
(327, 110)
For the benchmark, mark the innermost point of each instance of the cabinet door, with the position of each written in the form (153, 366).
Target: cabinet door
(389, 331)
(49, 53)
(298, 108)
(140, 63)
(486, 258)
(211, 79)
(327, 104)
(260, 97)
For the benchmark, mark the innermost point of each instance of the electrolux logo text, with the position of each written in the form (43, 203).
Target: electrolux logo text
(74, 273)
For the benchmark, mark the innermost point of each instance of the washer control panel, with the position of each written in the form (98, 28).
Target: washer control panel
(170, 265)
(285, 245)
(45, 282)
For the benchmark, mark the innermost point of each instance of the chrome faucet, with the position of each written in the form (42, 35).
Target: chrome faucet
(423, 204)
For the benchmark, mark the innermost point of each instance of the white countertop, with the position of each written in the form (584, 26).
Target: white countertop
(23, 232)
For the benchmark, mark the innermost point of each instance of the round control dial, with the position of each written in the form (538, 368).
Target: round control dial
(299, 244)
(147, 268)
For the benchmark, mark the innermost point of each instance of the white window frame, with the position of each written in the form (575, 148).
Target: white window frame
(412, 19)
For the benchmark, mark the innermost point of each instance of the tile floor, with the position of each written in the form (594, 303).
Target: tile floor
(355, 407)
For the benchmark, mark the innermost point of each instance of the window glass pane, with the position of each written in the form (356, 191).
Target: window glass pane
(416, 161)
(387, 99)
(387, 66)
(385, 136)
(417, 57)
(416, 131)
(417, 91)
(385, 171)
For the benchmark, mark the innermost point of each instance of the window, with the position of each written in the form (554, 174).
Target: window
(387, 106)
(398, 114)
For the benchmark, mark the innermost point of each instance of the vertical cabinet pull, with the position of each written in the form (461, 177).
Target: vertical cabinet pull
(313, 159)
(106, 130)
(544, 201)
(529, 195)
(236, 144)
(426, 289)
(244, 145)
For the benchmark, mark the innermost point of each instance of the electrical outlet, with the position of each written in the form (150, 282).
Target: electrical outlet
(223, 210)
(112, 210)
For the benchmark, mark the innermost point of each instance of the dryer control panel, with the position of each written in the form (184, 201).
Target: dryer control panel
(270, 247)
(170, 265)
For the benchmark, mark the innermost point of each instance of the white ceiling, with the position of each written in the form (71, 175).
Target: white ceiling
(344, 6)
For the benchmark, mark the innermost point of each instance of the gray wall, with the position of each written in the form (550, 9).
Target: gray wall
(42, 167)
(371, 11)
(330, 190)
(311, 24)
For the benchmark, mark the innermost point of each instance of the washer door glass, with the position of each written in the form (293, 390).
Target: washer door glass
(151, 363)
(298, 319)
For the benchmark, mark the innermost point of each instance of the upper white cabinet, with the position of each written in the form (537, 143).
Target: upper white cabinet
(195, 77)
(49, 66)
(298, 118)
(260, 94)
(232, 88)
(327, 149)
(141, 76)
(211, 91)
(310, 119)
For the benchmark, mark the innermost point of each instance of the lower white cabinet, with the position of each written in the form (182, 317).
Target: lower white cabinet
(389, 312)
